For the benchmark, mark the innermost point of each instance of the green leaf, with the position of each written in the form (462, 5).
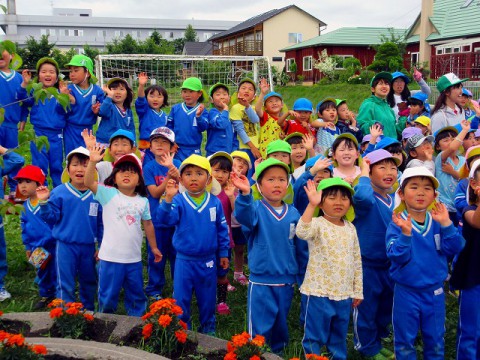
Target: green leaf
(1, 161)
(52, 91)
(64, 100)
(4, 8)
(37, 86)
(2, 115)
(42, 141)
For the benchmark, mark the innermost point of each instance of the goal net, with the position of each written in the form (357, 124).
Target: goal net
(170, 71)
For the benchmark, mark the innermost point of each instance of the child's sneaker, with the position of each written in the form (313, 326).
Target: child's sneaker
(387, 354)
(231, 288)
(223, 309)
(240, 278)
(43, 303)
(4, 294)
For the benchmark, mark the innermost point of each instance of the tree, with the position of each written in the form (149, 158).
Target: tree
(156, 37)
(399, 40)
(127, 45)
(35, 50)
(190, 34)
(326, 64)
(387, 58)
(90, 52)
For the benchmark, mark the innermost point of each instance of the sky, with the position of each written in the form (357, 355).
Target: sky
(335, 13)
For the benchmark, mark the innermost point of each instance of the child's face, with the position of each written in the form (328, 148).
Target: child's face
(47, 75)
(424, 151)
(345, 155)
(415, 109)
(5, 61)
(398, 85)
(274, 184)
(299, 153)
(454, 94)
(475, 184)
(424, 128)
(119, 94)
(343, 111)
(155, 100)
(444, 143)
(79, 75)
(246, 91)
(27, 187)
(462, 101)
(329, 114)
(322, 174)
(383, 175)
(127, 180)
(418, 194)
(469, 141)
(282, 156)
(382, 89)
(273, 105)
(76, 171)
(477, 141)
(160, 146)
(119, 147)
(335, 205)
(240, 166)
(304, 116)
(191, 97)
(220, 175)
(220, 97)
(195, 180)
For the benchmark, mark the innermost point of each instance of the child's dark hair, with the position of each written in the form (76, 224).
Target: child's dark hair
(326, 105)
(128, 100)
(121, 137)
(397, 149)
(415, 102)
(472, 197)
(140, 189)
(160, 90)
(405, 94)
(81, 157)
(334, 190)
(259, 180)
(442, 98)
(348, 143)
(295, 140)
(443, 135)
(471, 159)
(223, 163)
(405, 183)
(388, 161)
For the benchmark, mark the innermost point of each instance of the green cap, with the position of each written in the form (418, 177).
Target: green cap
(448, 80)
(334, 181)
(47, 60)
(215, 87)
(279, 146)
(339, 102)
(382, 75)
(264, 165)
(244, 80)
(9, 46)
(348, 136)
(86, 62)
(292, 135)
(192, 83)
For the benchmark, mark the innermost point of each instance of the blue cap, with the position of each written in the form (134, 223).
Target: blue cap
(270, 94)
(324, 101)
(399, 74)
(123, 133)
(386, 141)
(467, 92)
(303, 104)
(420, 96)
(310, 162)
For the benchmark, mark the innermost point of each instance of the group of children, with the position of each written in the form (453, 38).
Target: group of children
(353, 220)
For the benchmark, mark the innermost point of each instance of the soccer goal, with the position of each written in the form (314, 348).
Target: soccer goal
(169, 71)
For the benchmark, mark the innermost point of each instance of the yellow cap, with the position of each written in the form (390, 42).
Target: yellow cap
(196, 160)
(423, 120)
(242, 155)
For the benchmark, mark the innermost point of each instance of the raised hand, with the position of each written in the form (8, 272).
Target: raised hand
(240, 182)
(244, 102)
(365, 167)
(96, 108)
(142, 79)
(62, 86)
(173, 173)
(308, 141)
(417, 75)
(229, 189)
(465, 124)
(376, 131)
(89, 139)
(440, 214)
(108, 91)
(320, 164)
(27, 77)
(171, 190)
(314, 195)
(96, 153)
(404, 224)
(264, 87)
(167, 160)
(200, 109)
(43, 193)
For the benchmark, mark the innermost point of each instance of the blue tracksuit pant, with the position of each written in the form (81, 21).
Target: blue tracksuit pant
(156, 271)
(47, 278)
(422, 310)
(112, 277)
(267, 313)
(326, 323)
(199, 276)
(371, 319)
(76, 261)
(468, 333)
(53, 158)
(72, 136)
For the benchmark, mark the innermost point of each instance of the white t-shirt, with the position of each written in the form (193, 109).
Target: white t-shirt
(122, 222)
(104, 169)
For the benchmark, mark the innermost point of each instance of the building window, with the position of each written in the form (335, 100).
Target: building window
(476, 49)
(456, 49)
(51, 32)
(47, 32)
(258, 36)
(102, 33)
(290, 62)
(467, 48)
(119, 33)
(414, 58)
(447, 50)
(342, 58)
(277, 59)
(207, 36)
(294, 38)
(439, 51)
(137, 34)
(307, 63)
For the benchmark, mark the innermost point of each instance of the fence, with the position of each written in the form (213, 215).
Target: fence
(473, 86)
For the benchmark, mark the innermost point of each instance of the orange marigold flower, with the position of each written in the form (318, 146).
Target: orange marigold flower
(72, 311)
(230, 347)
(88, 317)
(57, 312)
(255, 357)
(295, 358)
(1, 312)
(3, 335)
(39, 349)
(147, 316)
(230, 356)
(258, 340)
(55, 303)
(147, 331)
(241, 339)
(176, 310)
(181, 336)
(16, 339)
(183, 324)
(76, 305)
(164, 320)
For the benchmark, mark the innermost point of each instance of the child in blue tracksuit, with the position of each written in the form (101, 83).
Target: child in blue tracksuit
(36, 233)
(269, 226)
(48, 119)
(220, 130)
(156, 174)
(149, 105)
(12, 162)
(419, 241)
(189, 119)
(116, 111)
(88, 98)
(125, 210)
(76, 219)
(373, 203)
(466, 273)
(197, 251)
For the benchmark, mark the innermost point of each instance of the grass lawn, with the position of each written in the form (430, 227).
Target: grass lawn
(20, 277)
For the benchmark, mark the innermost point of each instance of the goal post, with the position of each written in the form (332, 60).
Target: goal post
(170, 71)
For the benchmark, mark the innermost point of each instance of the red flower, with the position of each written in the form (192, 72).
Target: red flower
(147, 316)
(176, 310)
(16, 339)
(230, 356)
(241, 339)
(164, 320)
(55, 303)
(1, 313)
(88, 317)
(255, 357)
(3, 335)
(258, 340)
(72, 311)
(181, 336)
(183, 324)
(57, 312)
(39, 349)
(147, 331)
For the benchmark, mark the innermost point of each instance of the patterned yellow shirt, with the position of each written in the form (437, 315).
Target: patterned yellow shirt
(334, 267)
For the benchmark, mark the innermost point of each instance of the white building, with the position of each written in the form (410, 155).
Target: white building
(76, 27)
